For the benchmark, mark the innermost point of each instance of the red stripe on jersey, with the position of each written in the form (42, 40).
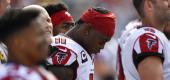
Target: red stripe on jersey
(148, 43)
(91, 77)
(7, 78)
(121, 75)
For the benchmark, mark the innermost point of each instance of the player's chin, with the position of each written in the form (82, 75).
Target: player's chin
(95, 51)
(48, 39)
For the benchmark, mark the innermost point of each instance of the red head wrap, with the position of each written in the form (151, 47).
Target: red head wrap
(104, 23)
(60, 17)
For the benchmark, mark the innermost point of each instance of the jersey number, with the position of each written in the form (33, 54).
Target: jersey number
(60, 40)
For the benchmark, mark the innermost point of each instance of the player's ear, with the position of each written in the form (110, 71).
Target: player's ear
(148, 5)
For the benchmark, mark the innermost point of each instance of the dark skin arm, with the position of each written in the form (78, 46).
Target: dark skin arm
(63, 73)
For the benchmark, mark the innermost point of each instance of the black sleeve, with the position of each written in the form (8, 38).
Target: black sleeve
(137, 58)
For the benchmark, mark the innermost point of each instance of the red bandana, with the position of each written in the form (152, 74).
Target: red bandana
(60, 17)
(104, 23)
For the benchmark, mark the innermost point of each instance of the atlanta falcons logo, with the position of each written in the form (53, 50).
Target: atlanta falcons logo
(61, 56)
(150, 43)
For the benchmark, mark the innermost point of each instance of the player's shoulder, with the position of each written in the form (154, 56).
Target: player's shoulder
(18, 71)
(19, 68)
(147, 32)
(64, 42)
(129, 29)
(148, 39)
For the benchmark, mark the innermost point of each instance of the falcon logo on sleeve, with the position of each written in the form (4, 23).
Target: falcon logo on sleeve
(151, 42)
(148, 43)
(61, 56)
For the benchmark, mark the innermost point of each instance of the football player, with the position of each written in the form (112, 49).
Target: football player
(75, 49)
(61, 19)
(26, 38)
(143, 50)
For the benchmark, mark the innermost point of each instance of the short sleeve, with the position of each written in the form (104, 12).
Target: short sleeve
(147, 45)
(61, 56)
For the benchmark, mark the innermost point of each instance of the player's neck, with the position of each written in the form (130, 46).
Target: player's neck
(154, 24)
(20, 60)
(73, 37)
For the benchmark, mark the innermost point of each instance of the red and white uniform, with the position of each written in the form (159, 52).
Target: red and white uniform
(70, 53)
(137, 44)
(13, 71)
(3, 53)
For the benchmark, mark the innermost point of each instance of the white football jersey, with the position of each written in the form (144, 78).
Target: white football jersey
(13, 71)
(137, 44)
(129, 29)
(69, 52)
(3, 53)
